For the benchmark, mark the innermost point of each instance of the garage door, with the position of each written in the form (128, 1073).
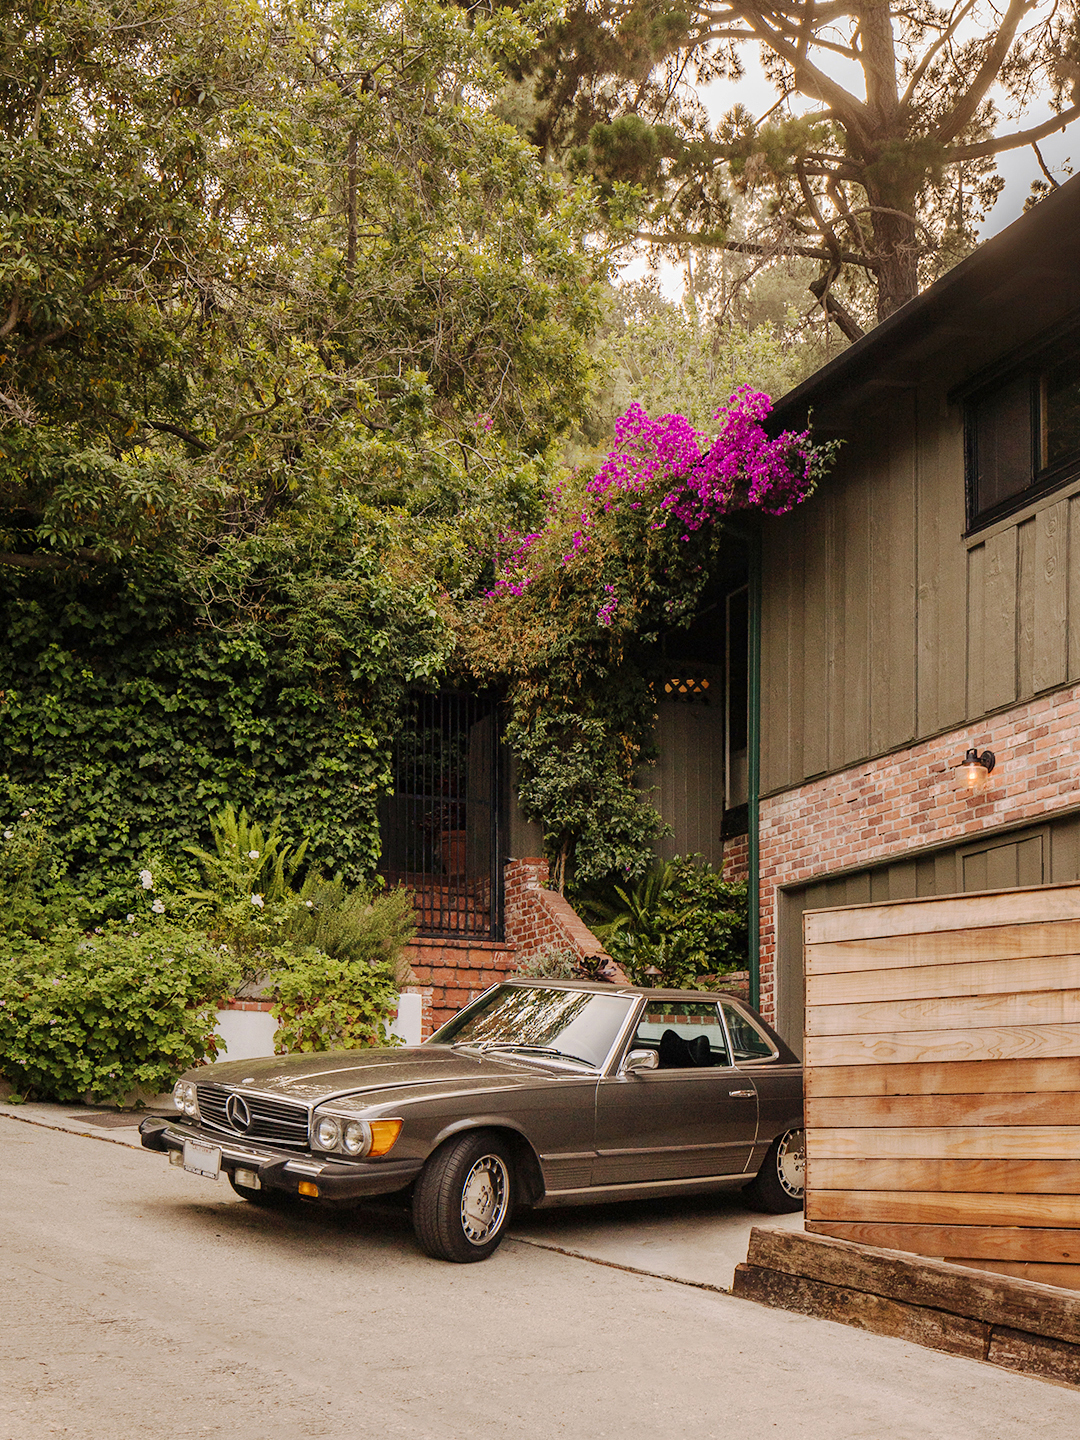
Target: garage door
(1033, 856)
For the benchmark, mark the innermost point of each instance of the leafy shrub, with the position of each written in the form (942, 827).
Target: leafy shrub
(552, 962)
(338, 982)
(35, 894)
(682, 920)
(108, 1015)
(329, 1003)
(354, 924)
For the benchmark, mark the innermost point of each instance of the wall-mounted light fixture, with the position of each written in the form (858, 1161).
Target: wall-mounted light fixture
(975, 769)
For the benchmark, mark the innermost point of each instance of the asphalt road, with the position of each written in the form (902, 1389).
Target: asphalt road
(140, 1303)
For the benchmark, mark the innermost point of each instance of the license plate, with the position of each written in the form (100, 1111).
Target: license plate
(200, 1159)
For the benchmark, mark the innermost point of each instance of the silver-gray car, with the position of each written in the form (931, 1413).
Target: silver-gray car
(539, 1093)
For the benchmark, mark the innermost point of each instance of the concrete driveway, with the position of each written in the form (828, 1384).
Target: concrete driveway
(141, 1303)
(697, 1240)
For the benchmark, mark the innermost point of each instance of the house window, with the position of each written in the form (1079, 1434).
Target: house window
(1023, 435)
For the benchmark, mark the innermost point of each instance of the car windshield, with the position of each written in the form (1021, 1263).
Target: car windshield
(577, 1025)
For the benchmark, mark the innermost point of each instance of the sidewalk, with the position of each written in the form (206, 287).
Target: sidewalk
(697, 1240)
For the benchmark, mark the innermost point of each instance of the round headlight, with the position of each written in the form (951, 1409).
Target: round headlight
(185, 1098)
(357, 1139)
(178, 1095)
(327, 1132)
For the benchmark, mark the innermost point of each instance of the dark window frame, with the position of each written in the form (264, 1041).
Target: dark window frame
(1034, 363)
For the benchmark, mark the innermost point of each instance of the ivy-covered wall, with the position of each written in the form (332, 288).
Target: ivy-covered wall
(134, 704)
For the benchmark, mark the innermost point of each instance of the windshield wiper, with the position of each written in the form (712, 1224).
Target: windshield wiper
(536, 1050)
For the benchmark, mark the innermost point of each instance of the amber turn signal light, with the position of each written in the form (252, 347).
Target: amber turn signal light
(384, 1133)
(309, 1188)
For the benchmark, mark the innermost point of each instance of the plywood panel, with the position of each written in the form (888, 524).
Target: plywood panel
(989, 1142)
(815, 627)
(1031, 1108)
(850, 650)
(1000, 620)
(1046, 972)
(990, 1242)
(951, 1013)
(1008, 1177)
(960, 912)
(892, 596)
(928, 1208)
(948, 947)
(1004, 1042)
(1050, 597)
(1025, 606)
(1074, 587)
(941, 640)
(952, 1078)
(976, 630)
(779, 599)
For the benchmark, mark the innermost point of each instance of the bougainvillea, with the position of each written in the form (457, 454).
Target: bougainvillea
(573, 619)
(675, 477)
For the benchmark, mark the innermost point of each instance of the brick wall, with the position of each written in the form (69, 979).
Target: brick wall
(879, 810)
(736, 857)
(450, 973)
(537, 917)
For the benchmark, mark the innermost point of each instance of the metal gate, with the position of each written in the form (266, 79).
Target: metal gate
(441, 826)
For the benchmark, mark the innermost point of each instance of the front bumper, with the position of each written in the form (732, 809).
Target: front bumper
(283, 1170)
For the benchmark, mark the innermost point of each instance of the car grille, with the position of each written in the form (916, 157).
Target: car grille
(278, 1121)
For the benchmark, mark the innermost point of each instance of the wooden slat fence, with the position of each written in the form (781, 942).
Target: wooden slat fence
(943, 1078)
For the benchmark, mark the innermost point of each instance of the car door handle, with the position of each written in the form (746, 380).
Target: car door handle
(748, 1094)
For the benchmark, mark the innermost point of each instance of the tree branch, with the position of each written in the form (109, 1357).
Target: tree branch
(1016, 141)
(964, 112)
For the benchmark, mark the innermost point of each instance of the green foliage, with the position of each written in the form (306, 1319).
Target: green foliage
(551, 962)
(253, 255)
(106, 1015)
(682, 920)
(330, 1003)
(358, 926)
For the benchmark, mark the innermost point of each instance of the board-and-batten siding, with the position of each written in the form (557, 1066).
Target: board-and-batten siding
(943, 1094)
(882, 624)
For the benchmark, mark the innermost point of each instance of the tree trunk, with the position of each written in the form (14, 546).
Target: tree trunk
(896, 245)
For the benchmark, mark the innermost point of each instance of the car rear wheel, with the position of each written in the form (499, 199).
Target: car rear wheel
(779, 1186)
(464, 1198)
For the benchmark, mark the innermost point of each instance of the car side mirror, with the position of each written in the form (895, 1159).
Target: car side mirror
(640, 1060)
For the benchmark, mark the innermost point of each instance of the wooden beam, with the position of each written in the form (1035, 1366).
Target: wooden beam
(988, 1242)
(924, 1207)
(949, 1078)
(954, 1013)
(949, 947)
(961, 912)
(923, 1326)
(1000, 1042)
(928, 1142)
(924, 982)
(1000, 1177)
(873, 1111)
(914, 1280)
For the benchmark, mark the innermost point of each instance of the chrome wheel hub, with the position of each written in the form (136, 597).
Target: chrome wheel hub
(791, 1163)
(484, 1199)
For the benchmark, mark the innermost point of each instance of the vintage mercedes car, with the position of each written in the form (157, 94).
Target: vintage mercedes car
(539, 1093)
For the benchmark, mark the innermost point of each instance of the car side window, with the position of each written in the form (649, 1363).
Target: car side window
(748, 1042)
(686, 1034)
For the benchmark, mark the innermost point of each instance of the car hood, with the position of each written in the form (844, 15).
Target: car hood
(310, 1079)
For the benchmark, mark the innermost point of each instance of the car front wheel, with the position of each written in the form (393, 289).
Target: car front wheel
(779, 1186)
(464, 1198)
